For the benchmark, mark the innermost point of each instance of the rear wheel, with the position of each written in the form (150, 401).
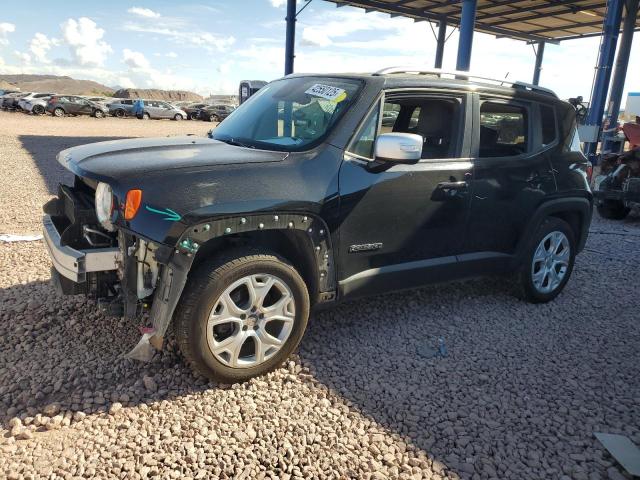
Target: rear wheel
(119, 113)
(612, 209)
(548, 261)
(242, 316)
(98, 113)
(213, 118)
(193, 116)
(58, 112)
(38, 109)
(146, 116)
(178, 117)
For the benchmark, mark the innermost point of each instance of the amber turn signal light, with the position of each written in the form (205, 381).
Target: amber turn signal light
(132, 204)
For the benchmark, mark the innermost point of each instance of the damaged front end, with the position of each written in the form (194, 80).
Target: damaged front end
(126, 275)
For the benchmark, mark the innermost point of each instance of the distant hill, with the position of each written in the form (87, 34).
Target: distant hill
(4, 85)
(57, 84)
(153, 94)
(71, 86)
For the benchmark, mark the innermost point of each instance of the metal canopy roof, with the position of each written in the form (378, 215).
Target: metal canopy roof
(530, 20)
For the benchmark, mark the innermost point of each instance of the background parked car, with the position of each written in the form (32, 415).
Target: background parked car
(22, 103)
(60, 106)
(121, 107)
(215, 113)
(104, 101)
(160, 109)
(36, 106)
(10, 102)
(193, 109)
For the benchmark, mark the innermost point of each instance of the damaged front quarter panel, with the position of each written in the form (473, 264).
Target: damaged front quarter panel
(176, 264)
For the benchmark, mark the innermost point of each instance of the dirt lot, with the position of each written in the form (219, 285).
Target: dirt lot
(518, 397)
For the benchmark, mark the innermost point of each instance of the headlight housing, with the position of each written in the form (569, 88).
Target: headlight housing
(104, 206)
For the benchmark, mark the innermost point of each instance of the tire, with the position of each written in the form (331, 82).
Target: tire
(120, 113)
(213, 118)
(146, 116)
(178, 117)
(193, 116)
(58, 112)
(204, 292)
(612, 209)
(98, 113)
(552, 228)
(38, 110)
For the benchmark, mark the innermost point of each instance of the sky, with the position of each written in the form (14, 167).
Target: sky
(209, 46)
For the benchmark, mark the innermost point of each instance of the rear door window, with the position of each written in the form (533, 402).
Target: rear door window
(504, 129)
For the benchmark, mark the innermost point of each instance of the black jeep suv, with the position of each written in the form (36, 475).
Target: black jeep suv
(304, 196)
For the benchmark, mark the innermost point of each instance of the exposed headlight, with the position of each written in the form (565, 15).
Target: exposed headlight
(104, 206)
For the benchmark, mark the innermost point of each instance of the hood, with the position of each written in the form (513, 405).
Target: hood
(121, 158)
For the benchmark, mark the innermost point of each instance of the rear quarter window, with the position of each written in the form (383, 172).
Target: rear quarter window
(548, 128)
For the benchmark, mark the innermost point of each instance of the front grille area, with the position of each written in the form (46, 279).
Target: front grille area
(73, 213)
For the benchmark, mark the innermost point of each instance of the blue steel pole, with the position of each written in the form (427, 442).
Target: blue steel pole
(442, 38)
(538, 67)
(603, 76)
(465, 42)
(620, 73)
(290, 37)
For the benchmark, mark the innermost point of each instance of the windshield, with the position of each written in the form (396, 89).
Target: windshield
(291, 114)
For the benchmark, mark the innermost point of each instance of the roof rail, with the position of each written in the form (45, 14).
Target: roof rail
(466, 75)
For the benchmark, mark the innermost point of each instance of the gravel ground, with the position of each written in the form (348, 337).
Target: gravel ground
(519, 395)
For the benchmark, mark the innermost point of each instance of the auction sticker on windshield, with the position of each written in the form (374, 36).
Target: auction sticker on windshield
(327, 92)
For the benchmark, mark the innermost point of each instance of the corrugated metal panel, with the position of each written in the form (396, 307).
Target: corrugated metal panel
(532, 20)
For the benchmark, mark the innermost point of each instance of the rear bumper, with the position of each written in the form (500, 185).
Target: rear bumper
(75, 264)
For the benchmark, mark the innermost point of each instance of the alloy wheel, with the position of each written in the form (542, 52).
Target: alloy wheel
(550, 262)
(251, 321)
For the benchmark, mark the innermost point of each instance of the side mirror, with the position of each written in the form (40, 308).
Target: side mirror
(399, 147)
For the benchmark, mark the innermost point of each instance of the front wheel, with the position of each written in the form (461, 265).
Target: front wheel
(213, 118)
(241, 316)
(38, 110)
(178, 117)
(58, 112)
(146, 116)
(98, 113)
(548, 261)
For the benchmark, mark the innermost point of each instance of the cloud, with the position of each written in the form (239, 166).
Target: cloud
(172, 55)
(84, 39)
(135, 59)
(40, 45)
(143, 12)
(23, 58)
(326, 28)
(201, 39)
(5, 30)
(278, 3)
(125, 82)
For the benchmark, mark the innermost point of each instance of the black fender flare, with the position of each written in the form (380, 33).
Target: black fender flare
(314, 226)
(177, 261)
(582, 206)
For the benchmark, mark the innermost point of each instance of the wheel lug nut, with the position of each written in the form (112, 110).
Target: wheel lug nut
(243, 316)
(244, 327)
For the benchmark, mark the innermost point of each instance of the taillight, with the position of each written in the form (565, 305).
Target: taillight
(132, 204)
(589, 171)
